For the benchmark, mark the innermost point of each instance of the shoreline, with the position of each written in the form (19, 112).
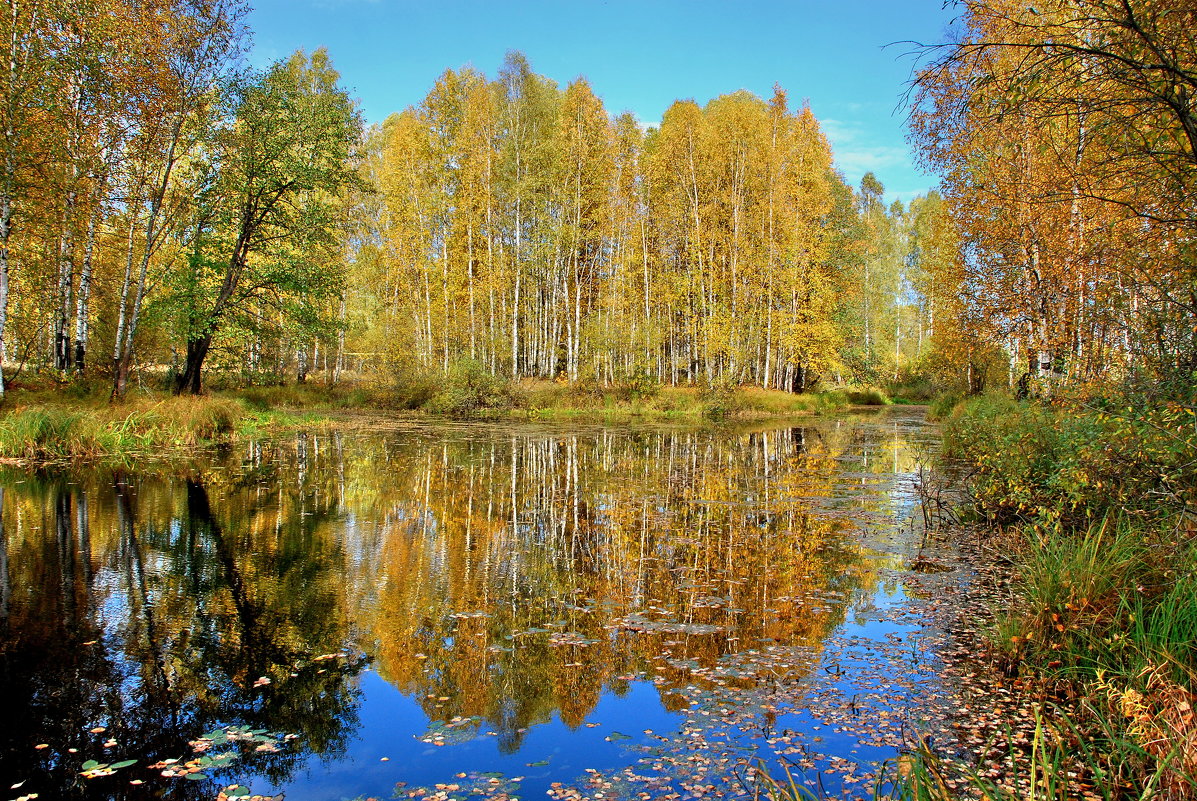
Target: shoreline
(46, 428)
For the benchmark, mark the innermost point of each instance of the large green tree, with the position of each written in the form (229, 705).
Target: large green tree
(265, 233)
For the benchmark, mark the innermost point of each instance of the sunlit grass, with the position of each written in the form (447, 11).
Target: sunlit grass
(142, 426)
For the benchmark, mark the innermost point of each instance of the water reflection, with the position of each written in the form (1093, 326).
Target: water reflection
(498, 577)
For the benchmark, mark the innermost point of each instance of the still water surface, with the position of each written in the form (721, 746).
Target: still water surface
(494, 610)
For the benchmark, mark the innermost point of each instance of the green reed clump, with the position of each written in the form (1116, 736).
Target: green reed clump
(1073, 614)
(829, 401)
(943, 405)
(867, 396)
(1110, 612)
(913, 389)
(36, 433)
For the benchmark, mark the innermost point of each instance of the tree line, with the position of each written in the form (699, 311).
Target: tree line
(165, 210)
(154, 192)
(521, 225)
(1066, 135)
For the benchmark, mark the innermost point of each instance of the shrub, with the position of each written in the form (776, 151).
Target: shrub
(720, 399)
(413, 390)
(867, 396)
(1071, 464)
(584, 392)
(470, 389)
(637, 385)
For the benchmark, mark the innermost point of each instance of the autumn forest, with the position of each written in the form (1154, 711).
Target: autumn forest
(514, 414)
(183, 208)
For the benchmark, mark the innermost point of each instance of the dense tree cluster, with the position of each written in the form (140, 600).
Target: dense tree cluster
(163, 208)
(1067, 136)
(521, 225)
(153, 192)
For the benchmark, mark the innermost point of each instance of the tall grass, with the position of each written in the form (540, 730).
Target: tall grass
(140, 427)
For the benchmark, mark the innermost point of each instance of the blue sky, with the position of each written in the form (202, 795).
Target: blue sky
(639, 55)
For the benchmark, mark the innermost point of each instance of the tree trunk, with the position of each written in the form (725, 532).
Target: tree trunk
(339, 361)
(189, 380)
(301, 364)
(5, 230)
(66, 285)
(82, 310)
(125, 362)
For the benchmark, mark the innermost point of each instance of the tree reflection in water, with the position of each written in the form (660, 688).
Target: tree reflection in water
(136, 607)
(498, 577)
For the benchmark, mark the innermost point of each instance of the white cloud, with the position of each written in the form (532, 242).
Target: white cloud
(856, 152)
(859, 160)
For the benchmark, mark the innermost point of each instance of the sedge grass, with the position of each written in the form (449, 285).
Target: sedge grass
(143, 426)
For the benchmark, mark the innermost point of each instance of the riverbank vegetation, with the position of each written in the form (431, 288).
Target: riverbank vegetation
(1077, 221)
(50, 425)
(1093, 498)
(81, 422)
(141, 428)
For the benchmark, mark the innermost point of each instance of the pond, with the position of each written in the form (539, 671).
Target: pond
(397, 609)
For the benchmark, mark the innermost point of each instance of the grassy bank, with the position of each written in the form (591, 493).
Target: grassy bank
(55, 423)
(44, 428)
(468, 390)
(548, 400)
(1093, 498)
